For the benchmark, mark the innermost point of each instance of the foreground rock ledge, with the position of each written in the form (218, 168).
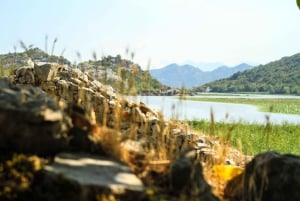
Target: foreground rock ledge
(268, 177)
(94, 175)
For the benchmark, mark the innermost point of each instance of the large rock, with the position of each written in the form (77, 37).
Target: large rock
(187, 180)
(46, 72)
(30, 121)
(87, 177)
(268, 177)
(25, 75)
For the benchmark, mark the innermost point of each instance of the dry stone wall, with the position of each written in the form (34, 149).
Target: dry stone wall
(104, 107)
(75, 87)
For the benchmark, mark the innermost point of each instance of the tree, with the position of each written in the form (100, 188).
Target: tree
(298, 3)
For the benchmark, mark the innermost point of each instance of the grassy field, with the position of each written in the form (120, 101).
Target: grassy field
(253, 138)
(280, 105)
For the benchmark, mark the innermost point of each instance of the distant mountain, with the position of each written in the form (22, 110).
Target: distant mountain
(225, 71)
(188, 76)
(277, 77)
(174, 75)
(204, 66)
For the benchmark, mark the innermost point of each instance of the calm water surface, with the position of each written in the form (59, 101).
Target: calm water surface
(172, 107)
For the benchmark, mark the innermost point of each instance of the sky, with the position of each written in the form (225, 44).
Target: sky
(158, 32)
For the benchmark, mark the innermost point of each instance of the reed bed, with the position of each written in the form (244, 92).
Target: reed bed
(277, 105)
(252, 139)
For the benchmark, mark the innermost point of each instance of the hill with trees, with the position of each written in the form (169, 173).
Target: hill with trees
(19, 59)
(123, 75)
(277, 77)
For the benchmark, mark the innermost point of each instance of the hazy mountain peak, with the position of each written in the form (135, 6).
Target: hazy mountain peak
(204, 66)
(187, 75)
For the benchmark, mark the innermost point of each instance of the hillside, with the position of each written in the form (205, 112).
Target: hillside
(277, 77)
(175, 75)
(122, 74)
(19, 59)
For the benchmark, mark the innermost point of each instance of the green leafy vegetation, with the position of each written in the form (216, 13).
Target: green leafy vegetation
(278, 77)
(253, 138)
(279, 105)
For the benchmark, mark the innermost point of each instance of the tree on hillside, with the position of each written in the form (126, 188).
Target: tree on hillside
(279, 77)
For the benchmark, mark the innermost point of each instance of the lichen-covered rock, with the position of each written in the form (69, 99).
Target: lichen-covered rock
(268, 177)
(17, 174)
(30, 121)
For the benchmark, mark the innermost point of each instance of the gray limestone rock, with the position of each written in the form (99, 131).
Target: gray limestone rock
(46, 72)
(186, 178)
(30, 121)
(268, 177)
(92, 177)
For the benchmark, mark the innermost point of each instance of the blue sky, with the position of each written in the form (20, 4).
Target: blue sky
(159, 31)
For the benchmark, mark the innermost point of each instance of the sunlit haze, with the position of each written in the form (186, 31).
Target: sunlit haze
(159, 31)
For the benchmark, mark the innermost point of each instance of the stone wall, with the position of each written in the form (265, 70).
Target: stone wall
(102, 106)
(100, 101)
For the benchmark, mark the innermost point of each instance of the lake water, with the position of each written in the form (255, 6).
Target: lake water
(172, 107)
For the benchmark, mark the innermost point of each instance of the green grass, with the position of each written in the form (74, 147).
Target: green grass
(279, 105)
(253, 138)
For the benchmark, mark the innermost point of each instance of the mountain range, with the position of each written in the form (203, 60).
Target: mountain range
(188, 76)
